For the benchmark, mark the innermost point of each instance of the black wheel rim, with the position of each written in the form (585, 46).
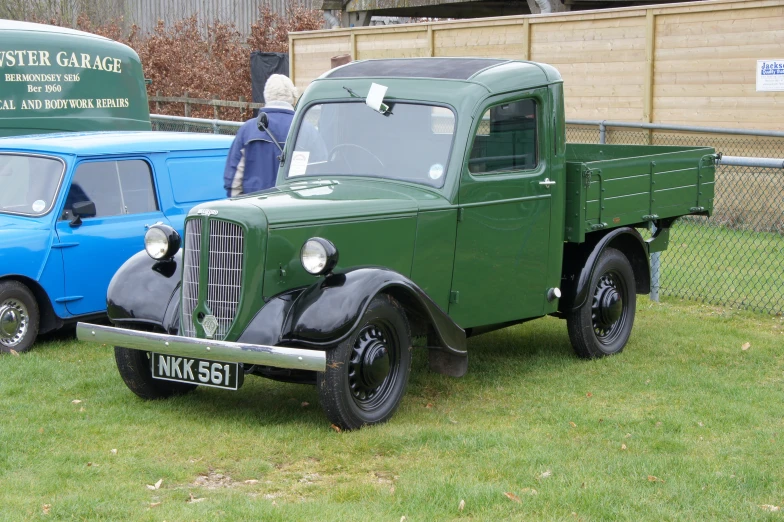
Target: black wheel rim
(374, 366)
(608, 310)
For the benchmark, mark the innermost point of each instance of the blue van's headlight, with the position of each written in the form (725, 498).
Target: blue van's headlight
(161, 242)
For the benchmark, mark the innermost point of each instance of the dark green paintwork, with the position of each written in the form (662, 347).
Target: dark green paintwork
(77, 68)
(502, 241)
(485, 247)
(630, 183)
(434, 253)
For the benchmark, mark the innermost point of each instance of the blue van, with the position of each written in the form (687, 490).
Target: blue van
(74, 207)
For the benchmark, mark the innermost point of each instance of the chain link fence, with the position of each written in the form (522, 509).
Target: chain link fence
(734, 258)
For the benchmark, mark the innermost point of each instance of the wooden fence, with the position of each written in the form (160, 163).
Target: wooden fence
(242, 112)
(690, 64)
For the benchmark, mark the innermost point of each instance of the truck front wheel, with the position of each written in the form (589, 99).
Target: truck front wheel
(135, 370)
(602, 325)
(367, 374)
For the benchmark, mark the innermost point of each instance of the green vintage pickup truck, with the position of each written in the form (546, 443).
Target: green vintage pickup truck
(419, 202)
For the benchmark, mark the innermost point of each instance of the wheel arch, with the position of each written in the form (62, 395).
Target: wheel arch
(145, 291)
(580, 262)
(327, 312)
(48, 320)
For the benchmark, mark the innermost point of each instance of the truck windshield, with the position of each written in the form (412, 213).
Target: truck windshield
(28, 184)
(411, 142)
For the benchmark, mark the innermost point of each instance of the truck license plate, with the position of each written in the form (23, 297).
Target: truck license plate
(224, 375)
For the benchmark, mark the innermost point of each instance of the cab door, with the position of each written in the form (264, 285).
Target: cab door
(94, 248)
(503, 228)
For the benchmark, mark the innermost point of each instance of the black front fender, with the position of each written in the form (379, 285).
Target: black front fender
(146, 291)
(580, 262)
(327, 312)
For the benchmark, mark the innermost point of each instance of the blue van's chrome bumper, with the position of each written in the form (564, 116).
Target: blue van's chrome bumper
(275, 356)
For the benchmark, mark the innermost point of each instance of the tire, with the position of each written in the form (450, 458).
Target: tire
(367, 374)
(603, 324)
(134, 368)
(19, 317)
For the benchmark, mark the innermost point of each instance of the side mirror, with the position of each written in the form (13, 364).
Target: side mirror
(82, 209)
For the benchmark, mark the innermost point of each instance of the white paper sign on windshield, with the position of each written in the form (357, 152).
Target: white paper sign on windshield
(375, 97)
(299, 163)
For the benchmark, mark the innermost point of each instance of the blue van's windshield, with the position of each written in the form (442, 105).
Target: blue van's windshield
(28, 184)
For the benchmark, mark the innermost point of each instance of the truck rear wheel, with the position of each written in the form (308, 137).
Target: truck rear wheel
(367, 374)
(135, 370)
(603, 324)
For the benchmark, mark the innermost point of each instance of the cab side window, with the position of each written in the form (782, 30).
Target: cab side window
(116, 188)
(506, 139)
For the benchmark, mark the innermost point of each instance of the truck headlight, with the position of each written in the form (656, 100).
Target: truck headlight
(161, 241)
(319, 256)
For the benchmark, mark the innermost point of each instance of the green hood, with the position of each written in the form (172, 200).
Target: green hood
(319, 200)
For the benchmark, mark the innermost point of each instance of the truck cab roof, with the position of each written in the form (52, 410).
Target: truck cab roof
(496, 75)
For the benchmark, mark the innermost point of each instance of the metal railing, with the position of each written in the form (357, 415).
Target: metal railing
(162, 122)
(734, 258)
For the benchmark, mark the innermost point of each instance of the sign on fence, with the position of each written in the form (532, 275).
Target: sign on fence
(770, 75)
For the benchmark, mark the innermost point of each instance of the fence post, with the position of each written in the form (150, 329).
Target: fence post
(215, 114)
(157, 103)
(602, 133)
(187, 105)
(655, 270)
(242, 109)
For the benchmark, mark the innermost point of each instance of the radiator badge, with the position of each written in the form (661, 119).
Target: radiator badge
(210, 325)
(207, 212)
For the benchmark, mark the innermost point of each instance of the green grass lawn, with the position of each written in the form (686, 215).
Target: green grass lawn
(684, 424)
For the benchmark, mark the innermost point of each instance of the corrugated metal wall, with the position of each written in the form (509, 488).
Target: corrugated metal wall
(146, 13)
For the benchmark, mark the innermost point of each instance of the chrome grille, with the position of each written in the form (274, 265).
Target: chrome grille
(225, 273)
(190, 275)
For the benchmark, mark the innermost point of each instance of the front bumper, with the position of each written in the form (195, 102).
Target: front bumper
(275, 356)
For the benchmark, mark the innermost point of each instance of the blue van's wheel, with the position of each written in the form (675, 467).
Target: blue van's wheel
(18, 317)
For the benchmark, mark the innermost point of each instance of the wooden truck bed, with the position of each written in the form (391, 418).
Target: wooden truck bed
(609, 186)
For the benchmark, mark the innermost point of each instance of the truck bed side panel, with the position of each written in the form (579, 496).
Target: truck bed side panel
(632, 185)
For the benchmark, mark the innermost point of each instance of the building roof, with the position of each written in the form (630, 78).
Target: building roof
(92, 143)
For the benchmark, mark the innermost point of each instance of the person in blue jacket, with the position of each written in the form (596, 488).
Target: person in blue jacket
(252, 163)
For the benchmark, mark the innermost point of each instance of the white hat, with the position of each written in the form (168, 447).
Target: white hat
(280, 88)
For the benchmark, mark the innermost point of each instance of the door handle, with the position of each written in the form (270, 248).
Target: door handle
(547, 182)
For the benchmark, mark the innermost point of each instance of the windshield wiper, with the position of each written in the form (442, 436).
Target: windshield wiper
(384, 109)
(352, 93)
